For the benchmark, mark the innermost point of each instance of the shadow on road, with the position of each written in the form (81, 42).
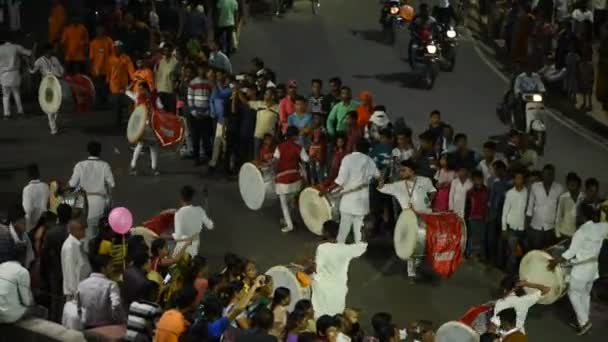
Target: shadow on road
(403, 79)
(370, 35)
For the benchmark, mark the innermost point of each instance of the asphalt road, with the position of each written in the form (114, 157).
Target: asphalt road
(342, 41)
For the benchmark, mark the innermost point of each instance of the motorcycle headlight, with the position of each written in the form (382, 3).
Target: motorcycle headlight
(432, 49)
(451, 33)
(537, 98)
(394, 10)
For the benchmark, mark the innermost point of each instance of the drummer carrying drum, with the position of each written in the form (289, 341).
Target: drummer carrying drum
(583, 255)
(49, 64)
(153, 103)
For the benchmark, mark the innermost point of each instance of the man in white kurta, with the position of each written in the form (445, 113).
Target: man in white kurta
(330, 280)
(583, 252)
(35, 199)
(356, 172)
(10, 75)
(188, 223)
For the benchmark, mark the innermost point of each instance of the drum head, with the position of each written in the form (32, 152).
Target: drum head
(137, 124)
(315, 210)
(50, 94)
(456, 332)
(533, 268)
(146, 233)
(252, 186)
(284, 277)
(406, 234)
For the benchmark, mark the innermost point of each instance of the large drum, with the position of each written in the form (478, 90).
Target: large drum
(168, 128)
(73, 93)
(287, 276)
(533, 268)
(456, 332)
(256, 185)
(316, 210)
(148, 235)
(138, 125)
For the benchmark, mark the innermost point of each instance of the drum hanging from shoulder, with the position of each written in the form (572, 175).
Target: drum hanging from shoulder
(533, 268)
(137, 124)
(168, 128)
(287, 276)
(316, 210)
(75, 93)
(146, 233)
(410, 235)
(256, 185)
(456, 332)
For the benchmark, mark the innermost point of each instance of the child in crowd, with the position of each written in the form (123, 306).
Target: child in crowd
(382, 152)
(436, 124)
(340, 151)
(404, 149)
(266, 151)
(458, 191)
(161, 259)
(444, 177)
(317, 150)
(476, 209)
(354, 133)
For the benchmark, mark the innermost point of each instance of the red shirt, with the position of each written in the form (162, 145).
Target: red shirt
(266, 153)
(477, 203)
(288, 165)
(353, 135)
(336, 161)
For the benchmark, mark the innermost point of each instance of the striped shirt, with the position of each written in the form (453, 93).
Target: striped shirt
(199, 91)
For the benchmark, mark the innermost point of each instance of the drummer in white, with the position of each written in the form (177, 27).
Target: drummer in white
(47, 64)
(10, 75)
(356, 172)
(413, 192)
(583, 255)
(188, 222)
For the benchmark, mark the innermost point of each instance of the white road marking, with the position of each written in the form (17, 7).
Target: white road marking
(555, 114)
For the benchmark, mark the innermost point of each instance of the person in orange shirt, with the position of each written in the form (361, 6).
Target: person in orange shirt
(74, 41)
(142, 74)
(120, 71)
(365, 109)
(56, 21)
(100, 50)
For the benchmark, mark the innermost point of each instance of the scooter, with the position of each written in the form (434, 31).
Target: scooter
(447, 47)
(534, 112)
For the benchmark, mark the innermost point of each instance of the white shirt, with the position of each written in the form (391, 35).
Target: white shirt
(188, 222)
(420, 187)
(93, 175)
(565, 220)
(402, 155)
(35, 202)
(10, 63)
(521, 305)
(586, 244)
(514, 209)
(527, 84)
(542, 206)
(458, 195)
(15, 293)
(74, 265)
(48, 66)
(357, 169)
(486, 168)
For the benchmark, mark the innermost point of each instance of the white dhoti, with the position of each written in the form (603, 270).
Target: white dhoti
(328, 296)
(192, 249)
(11, 81)
(97, 207)
(579, 292)
(348, 222)
(286, 193)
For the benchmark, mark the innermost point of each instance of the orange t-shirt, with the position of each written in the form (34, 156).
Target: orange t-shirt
(99, 53)
(75, 39)
(56, 22)
(120, 71)
(143, 75)
(170, 327)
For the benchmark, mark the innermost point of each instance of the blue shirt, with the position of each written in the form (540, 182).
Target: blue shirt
(217, 102)
(382, 155)
(300, 121)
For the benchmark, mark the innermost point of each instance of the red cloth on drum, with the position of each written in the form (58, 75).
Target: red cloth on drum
(443, 242)
(160, 223)
(288, 165)
(442, 200)
(477, 317)
(82, 93)
(168, 128)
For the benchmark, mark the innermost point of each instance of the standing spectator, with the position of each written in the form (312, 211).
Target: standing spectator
(267, 117)
(287, 105)
(487, 163)
(218, 59)
(226, 21)
(591, 197)
(601, 88)
(199, 117)
(120, 71)
(16, 219)
(476, 211)
(586, 82)
(164, 78)
(513, 219)
(247, 117)
(56, 21)
(521, 33)
(463, 156)
(315, 100)
(572, 72)
(220, 95)
(15, 293)
(75, 41)
(365, 108)
(443, 177)
(74, 264)
(333, 97)
(542, 209)
(302, 120)
(565, 220)
(35, 198)
(100, 297)
(100, 51)
(458, 191)
(336, 122)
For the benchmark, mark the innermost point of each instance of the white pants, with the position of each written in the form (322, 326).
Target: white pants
(286, 201)
(219, 144)
(53, 122)
(153, 154)
(412, 265)
(6, 99)
(348, 222)
(579, 293)
(97, 207)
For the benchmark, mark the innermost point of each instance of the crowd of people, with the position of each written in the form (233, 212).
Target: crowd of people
(89, 277)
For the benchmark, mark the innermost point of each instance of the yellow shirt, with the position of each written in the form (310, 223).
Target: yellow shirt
(166, 66)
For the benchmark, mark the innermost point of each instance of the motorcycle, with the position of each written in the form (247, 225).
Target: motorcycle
(447, 46)
(391, 20)
(425, 59)
(534, 125)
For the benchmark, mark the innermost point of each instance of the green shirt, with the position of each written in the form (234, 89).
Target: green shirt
(337, 117)
(226, 10)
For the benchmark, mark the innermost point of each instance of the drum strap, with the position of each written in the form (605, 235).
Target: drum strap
(355, 189)
(286, 172)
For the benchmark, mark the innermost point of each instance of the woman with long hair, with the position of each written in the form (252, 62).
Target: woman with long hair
(280, 301)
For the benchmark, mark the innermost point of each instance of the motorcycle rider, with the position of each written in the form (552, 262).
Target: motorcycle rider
(422, 29)
(525, 83)
(444, 12)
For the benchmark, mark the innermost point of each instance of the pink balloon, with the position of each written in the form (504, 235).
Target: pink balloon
(121, 220)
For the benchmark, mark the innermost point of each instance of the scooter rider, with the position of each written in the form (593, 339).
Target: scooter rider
(422, 28)
(525, 83)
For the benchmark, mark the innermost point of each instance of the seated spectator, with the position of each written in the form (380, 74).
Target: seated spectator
(15, 294)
